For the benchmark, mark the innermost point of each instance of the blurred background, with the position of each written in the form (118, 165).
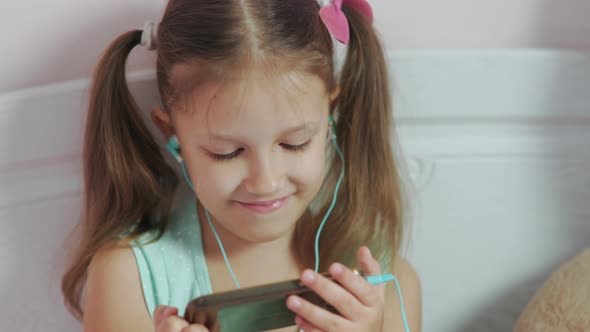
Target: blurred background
(493, 128)
(44, 42)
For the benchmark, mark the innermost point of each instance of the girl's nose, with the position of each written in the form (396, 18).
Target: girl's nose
(264, 178)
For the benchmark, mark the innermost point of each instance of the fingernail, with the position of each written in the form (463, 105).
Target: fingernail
(169, 311)
(158, 313)
(294, 303)
(308, 276)
(337, 268)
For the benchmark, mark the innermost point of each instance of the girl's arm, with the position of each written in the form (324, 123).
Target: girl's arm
(114, 297)
(412, 296)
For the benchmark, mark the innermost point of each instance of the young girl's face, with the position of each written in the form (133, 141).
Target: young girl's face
(255, 151)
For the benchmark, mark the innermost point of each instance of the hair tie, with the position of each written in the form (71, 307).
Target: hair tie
(337, 25)
(335, 20)
(148, 35)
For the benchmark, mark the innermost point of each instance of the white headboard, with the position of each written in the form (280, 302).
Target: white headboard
(497, 148)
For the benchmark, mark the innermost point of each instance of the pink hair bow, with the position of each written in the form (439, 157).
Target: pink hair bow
(335, 20)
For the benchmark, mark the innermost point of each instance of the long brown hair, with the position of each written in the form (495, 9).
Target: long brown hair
(128, 183)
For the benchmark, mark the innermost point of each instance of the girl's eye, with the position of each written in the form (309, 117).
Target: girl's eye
(222, 157)
(299, 147)
(229, 156)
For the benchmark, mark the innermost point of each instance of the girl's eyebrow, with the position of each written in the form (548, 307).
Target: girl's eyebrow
(307, 126)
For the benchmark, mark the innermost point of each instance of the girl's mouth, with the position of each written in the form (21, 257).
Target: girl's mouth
(265, 206)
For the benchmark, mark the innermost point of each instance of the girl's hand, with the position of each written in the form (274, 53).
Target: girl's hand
(360, 303)
(166, 319)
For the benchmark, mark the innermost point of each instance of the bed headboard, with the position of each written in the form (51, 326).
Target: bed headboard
(494, 146)
(497, 145)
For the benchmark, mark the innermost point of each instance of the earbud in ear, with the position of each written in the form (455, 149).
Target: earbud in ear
(174, 148)
(331, 128)
(332, 136)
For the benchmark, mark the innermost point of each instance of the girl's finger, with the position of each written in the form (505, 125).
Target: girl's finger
(172, 324)
(168, 321)
(316, 316)
(305, 325)
(161, 312)
(157, 313)
(368, 263)
(371, 267)
(365, 293)
(195, 328)
(336, 295)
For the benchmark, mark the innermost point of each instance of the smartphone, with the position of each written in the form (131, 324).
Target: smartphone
(251, 309)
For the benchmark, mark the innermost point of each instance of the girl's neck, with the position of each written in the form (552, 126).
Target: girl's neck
(252, 263)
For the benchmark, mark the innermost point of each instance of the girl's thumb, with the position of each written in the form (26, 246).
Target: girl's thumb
(162, 312)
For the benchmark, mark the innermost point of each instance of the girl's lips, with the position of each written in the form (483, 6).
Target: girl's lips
(265, 207)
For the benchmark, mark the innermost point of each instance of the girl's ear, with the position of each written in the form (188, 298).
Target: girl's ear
(334, 94)
(162, 120)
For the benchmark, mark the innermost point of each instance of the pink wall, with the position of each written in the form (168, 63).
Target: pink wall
(487, 24)
(43, 42)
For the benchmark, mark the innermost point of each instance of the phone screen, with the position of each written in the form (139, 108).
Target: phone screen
(256, 316)
(250, 309)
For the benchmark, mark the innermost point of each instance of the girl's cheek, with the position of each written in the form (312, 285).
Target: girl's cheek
(311, 168)
(215, 177)
(227, 181)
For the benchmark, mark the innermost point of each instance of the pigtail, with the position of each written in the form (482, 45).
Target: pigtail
(369, 209)
(128, 184)
(371, 190)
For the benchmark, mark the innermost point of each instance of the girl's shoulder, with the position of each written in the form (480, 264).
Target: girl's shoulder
(411, 293)
(173, 268)
(113, 293)
(404, 270)
(182, 225)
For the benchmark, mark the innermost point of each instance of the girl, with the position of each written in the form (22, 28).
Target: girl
(248, 90)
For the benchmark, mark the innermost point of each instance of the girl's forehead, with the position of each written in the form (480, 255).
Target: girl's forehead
(282, 100)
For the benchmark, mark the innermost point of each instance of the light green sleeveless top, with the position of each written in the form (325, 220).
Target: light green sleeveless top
(173, 270)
